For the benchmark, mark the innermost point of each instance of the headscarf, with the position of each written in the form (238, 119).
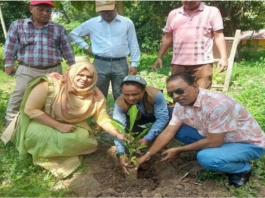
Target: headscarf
(73, 104)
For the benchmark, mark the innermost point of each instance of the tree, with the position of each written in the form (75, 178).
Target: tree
(150, 17)
(244, 15)
(13, 10)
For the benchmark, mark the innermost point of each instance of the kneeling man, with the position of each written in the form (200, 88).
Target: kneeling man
(152, 108)
(222, 130)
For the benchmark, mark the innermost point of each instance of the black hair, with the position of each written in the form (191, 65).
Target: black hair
(186, 77)
(141, 86)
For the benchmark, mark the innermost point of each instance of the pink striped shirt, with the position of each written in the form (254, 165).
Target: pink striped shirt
(193, 35)
(215, 112)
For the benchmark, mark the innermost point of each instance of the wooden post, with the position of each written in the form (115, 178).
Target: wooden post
(2, 21)
(120, 7)
(231, 60)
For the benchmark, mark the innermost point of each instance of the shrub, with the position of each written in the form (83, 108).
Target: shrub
(2, 62)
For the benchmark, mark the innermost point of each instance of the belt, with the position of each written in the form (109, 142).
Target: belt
(38, 67)
(109, 59)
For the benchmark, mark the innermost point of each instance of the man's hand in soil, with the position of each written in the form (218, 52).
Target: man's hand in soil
(141, 160)
(170, 155)
(124, 160)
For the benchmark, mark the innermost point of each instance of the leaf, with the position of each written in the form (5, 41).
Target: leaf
(117, 124)
(133, 160)
(132, 115)
(138, 137)
(139, 147)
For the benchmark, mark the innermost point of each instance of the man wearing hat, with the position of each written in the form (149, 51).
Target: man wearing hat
(113, 38)
(152, 108)
(39, 45)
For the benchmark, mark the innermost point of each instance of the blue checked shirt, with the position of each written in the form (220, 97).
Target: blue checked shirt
(37, 47)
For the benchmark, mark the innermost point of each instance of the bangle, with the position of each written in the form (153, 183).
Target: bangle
(149, 153)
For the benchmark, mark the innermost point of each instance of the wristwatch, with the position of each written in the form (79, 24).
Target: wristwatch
(149, 153)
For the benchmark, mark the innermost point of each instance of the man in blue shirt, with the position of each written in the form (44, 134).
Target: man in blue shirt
(113, 38)
(152, 108)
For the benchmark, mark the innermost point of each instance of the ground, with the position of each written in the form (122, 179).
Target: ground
(102, 177)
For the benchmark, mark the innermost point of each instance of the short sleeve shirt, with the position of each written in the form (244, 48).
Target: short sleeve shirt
(193, 35)
(215, 112)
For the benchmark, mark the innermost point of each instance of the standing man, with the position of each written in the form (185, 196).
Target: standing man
(113, 37)
(192, 29)
(152, 108)
(224, 133)
(39, 45)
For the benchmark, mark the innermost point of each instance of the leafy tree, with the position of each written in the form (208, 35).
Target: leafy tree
(244, 15)
(73, 11)
(13, 10)
(149, 18)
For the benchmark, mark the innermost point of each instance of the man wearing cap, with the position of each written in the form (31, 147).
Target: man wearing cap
(152, 108)
(113, 38)
(39, 46)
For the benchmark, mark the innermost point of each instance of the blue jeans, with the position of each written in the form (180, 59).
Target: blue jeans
(228, 158)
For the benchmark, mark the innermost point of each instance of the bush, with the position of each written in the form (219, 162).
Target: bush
(2, 62)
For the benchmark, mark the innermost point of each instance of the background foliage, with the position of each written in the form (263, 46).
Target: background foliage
(149, 17)
(23, 179)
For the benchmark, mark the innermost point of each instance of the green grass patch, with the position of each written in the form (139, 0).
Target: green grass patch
(22, 178)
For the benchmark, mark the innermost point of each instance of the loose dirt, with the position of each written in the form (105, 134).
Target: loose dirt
(101, 176)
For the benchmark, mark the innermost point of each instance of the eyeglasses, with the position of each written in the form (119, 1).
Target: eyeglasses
(179, 91)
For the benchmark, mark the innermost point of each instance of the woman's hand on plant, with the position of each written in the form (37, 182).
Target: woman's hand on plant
(66, 128)
(143, 142)
(170, 155)
(124, 160)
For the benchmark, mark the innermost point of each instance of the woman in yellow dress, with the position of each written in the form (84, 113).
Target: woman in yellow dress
(52, 125)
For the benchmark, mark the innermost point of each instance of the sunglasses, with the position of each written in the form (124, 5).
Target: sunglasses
(179, 91)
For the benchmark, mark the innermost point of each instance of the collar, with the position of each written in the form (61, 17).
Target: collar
(117, 17)
(200, 8)
(30, 20)
(197, 103)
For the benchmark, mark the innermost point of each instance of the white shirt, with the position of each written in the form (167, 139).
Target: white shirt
(114, 39)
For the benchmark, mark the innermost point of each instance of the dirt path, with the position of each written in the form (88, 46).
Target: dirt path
(102, 177)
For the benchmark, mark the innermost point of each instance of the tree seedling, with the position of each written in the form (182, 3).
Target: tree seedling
(133, 147)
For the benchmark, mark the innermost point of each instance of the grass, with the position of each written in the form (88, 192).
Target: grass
(22, 178)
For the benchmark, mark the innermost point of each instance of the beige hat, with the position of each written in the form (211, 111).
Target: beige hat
(104, 5)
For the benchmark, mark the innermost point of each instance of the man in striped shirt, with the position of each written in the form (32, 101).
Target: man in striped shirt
(192, 29)
(38, 45)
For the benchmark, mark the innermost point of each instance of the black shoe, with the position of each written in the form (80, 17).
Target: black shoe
(238, 179)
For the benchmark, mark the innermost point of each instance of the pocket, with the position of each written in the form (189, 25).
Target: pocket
(207, 31)
(26, 37)
(49, 43)
(123, 40)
